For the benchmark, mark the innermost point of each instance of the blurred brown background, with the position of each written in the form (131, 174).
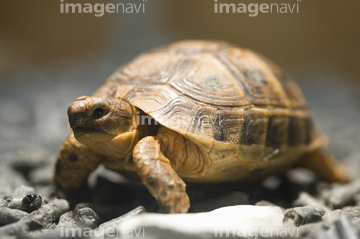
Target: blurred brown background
(48, 59)
(323, 33)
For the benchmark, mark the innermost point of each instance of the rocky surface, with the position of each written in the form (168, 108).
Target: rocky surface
(33, 124)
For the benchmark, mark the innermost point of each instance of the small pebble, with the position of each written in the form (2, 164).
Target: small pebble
(324, 233)
(67, 220)
(301, 176)
(332, 216)
(345, 228)
(39, 219)
(31, 202)
(341, 195)
(3, 203)
(304, 215)
(306, 199)
(8, 215)
(14, 203)
(115, 221)
(304, 231)
(28, 203)
(86, 217)
(271, 182)
(105, 212)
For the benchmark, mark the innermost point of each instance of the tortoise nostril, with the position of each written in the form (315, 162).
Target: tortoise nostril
(72, 110)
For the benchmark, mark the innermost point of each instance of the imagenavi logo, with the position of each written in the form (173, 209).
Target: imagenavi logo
(253, 9)
(99, 9)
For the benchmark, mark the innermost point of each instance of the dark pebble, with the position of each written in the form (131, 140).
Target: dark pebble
(28, 203)
(31, 202)
(304, 215)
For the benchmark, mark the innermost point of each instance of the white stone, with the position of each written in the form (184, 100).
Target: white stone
(242, 220)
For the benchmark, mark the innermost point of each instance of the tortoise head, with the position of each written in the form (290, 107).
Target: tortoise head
(103, 124)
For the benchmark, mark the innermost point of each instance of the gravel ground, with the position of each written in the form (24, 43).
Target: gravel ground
(33, 124)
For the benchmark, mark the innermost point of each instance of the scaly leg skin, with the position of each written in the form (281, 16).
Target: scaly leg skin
(325, 166)
(159, 177)
(74, 164)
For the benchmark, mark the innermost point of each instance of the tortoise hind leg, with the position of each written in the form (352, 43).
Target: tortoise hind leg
(325, 166)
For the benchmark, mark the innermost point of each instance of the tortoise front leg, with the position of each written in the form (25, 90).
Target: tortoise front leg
(74, 164)
(159, 177)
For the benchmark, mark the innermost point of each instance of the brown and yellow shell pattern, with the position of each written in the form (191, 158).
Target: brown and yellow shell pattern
(235, 105)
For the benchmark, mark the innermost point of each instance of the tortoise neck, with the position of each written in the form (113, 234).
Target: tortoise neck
(145, 124)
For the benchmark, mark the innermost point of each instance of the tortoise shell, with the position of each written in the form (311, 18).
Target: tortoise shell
(235, 105)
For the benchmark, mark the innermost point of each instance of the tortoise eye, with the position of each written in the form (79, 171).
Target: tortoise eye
(98, 113)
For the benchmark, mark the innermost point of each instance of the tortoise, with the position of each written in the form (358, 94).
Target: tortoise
(193, 111)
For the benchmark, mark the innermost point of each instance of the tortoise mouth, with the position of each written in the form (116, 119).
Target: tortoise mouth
(84, 129)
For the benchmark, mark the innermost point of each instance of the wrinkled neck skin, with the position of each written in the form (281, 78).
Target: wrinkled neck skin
(115, 146)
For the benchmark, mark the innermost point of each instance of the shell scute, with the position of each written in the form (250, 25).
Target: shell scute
(261, 86)
(277, 131)
(222, 152)
(300, 129)
(177, 114)
(227, 125)
(254, 127)
(202, 122)
(151, 97)
(154, 68)
(290, 87)
(209, 82)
